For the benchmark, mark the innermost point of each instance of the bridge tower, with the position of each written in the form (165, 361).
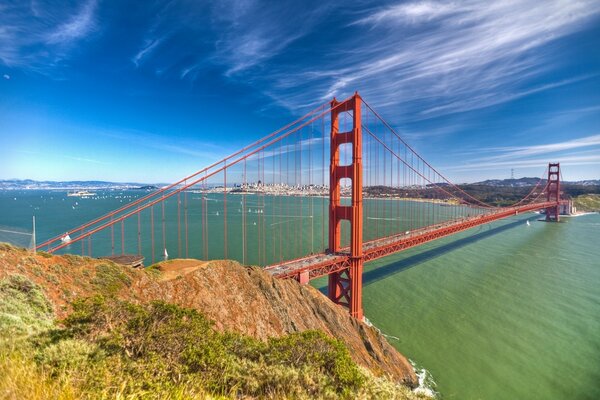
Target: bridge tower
(552, 213)
(345, 287)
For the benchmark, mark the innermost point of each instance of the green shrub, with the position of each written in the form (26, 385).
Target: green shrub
(181, 344)
(110, 279)
(65, 354)
(24, 308)
(44, 254)
(314, 348)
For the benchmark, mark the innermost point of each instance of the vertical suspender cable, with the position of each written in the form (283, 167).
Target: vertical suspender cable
(139, 234)
(225, 210)
(185, 212)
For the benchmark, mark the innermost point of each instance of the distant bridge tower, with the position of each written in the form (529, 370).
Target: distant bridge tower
(345, 286)
(552, 213)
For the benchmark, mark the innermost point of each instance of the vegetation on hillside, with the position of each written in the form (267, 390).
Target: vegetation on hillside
(587, 202)
(490, 194)
(109, 348)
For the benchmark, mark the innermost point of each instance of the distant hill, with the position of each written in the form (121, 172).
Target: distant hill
(27, 184)
(520, 182)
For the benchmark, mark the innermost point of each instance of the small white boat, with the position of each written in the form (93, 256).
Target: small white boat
(166, 254)
(217, 213)
(66, 238)
(528, 224)
(81, 193)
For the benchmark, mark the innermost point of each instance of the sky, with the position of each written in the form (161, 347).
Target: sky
(151, 91)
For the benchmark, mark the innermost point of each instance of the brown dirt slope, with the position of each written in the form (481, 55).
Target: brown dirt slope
(238, 298)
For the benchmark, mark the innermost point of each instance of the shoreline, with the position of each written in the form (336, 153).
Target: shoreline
(579, 214)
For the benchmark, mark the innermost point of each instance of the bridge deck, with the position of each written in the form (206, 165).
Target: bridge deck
(323, 264)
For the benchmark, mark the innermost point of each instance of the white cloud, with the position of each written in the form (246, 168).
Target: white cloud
(78, 26)
(203, 150)
(149, 46)
(531, 163)
(251, 32)
(38, 36)
(411, 12)
(526, 151)
(6, 76)
(587, 152)
(469, 55)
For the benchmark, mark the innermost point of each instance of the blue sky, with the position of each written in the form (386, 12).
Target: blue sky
(151, 91)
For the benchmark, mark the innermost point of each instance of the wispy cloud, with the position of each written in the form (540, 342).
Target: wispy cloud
(38, 36)
(203, 150)
(88, 160)
(428, 58)
(61, 155)
(433, 58)
(243, 43)
(238, 36)
(76, 27)
(551, 148)
(531, 163)
(411, 12)
(579, 151)
(149, 46)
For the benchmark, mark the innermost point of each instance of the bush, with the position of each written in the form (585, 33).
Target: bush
(162, 342)
(24, 309)
(110, 279)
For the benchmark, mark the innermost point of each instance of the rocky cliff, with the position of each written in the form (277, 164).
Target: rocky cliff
(242, 299)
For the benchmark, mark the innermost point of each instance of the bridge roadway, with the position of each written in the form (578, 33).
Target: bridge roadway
(315, 266)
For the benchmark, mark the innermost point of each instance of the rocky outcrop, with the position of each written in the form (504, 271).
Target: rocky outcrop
(243, 299)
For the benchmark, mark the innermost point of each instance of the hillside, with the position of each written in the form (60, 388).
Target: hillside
(587, 202)
(243, 300)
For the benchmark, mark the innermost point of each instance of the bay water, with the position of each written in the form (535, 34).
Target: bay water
(502, 311)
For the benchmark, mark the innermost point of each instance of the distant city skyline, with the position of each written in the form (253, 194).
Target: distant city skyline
(132, 92)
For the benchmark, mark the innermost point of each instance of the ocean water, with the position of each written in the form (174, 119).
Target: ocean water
(502, 311)
(276, 227)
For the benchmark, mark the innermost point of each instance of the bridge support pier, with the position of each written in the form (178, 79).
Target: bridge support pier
(345, 286)
(552, 213)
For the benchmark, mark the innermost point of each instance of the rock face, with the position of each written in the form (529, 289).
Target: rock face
(243, 299)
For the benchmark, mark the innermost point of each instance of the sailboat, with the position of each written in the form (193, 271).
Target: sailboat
(66, 238)
(217, 213)
(528, 224)
(166, 254)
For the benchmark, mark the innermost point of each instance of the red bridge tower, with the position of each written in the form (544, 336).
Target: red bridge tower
(345, 286)
(552, 213)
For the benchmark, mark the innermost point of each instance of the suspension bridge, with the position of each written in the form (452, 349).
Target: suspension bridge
(321, 196)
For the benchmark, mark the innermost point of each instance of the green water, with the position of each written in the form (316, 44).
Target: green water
(502, 311)
(252, 229)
